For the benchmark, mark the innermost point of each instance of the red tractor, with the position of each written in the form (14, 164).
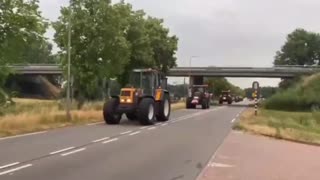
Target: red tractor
(198, 95)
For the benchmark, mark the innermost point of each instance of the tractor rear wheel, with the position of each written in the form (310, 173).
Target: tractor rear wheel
(188, 103)
(146, 112)
(164, 109)
(204, 104)
(110, 114)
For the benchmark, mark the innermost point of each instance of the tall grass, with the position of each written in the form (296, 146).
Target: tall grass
(35, 115)
(38, 115)
(300, 126)
(304, 96)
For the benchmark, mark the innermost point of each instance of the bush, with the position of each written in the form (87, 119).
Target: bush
(305, 96)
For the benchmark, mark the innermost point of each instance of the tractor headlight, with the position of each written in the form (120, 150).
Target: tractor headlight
(129, 101)
(122, 100)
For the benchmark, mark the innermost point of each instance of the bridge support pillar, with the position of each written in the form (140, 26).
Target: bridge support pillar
(196, 80)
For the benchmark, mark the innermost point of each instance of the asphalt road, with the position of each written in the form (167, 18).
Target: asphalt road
(179, 149)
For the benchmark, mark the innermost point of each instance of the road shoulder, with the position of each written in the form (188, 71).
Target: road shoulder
(251, 157)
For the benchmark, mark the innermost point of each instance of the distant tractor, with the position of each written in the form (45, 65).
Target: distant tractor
(145, 99)
(198, 95)
(226, 97)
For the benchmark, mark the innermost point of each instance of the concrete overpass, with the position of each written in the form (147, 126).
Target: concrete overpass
(37, 69)
(270, 72)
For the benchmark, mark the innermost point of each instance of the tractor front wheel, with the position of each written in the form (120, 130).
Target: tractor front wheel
(146, 112)
(110, 114)
(164, 109)
(204, 104)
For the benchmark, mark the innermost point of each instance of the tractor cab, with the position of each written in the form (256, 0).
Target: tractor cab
(147, 80)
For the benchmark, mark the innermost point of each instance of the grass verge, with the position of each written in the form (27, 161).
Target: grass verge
(301, 127)
(29, 116)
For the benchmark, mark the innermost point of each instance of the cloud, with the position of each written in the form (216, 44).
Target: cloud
(226, 32)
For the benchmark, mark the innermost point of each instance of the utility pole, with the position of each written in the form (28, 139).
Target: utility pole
(69, 64)
(190, 61)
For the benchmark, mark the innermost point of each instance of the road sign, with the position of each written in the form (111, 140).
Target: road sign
(255, 85)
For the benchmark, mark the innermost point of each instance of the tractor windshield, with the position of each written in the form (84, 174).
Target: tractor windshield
(141, 80)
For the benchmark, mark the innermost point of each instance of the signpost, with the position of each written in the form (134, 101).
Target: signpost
(255, 95)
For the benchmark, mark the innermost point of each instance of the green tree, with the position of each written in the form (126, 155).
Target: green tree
(21, 24)
(301, 48)
(141, 52)
(217, 85)
(99, 47)
(164, 46)
(39, 51)
(150, 42)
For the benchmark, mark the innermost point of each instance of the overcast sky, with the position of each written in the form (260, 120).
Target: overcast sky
(225, 32)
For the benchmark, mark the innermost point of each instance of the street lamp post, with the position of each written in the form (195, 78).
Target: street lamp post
(69, 64)
(190, 72)
(190, 61)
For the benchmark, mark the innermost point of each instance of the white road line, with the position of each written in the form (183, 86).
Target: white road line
(111, 140)
(72, 152)
(132, 134)
(23, 135)
(92, 124)
(233, 120)
(157, 124)
(62, 150)
(15, 169)
(102, 139)
(165, 124)
(152, 128)
(9, 165)
(145, 127)
(127, 132)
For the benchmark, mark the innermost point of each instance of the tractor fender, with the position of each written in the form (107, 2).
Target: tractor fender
(163, 92)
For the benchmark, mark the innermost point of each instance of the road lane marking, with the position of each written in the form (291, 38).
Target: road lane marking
(9, 165)
(157, 124)
(145, 127)
(111, 140)
(23, 135)
(165, 124)
(220, 165)
(233, 120)
(97, 123)
(72, 152)
(15, 169)
(127, 132)
(102, 139)
(152, 128)
(62, 150)
(132, 134)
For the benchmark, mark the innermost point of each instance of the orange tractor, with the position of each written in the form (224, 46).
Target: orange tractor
(145, 99)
